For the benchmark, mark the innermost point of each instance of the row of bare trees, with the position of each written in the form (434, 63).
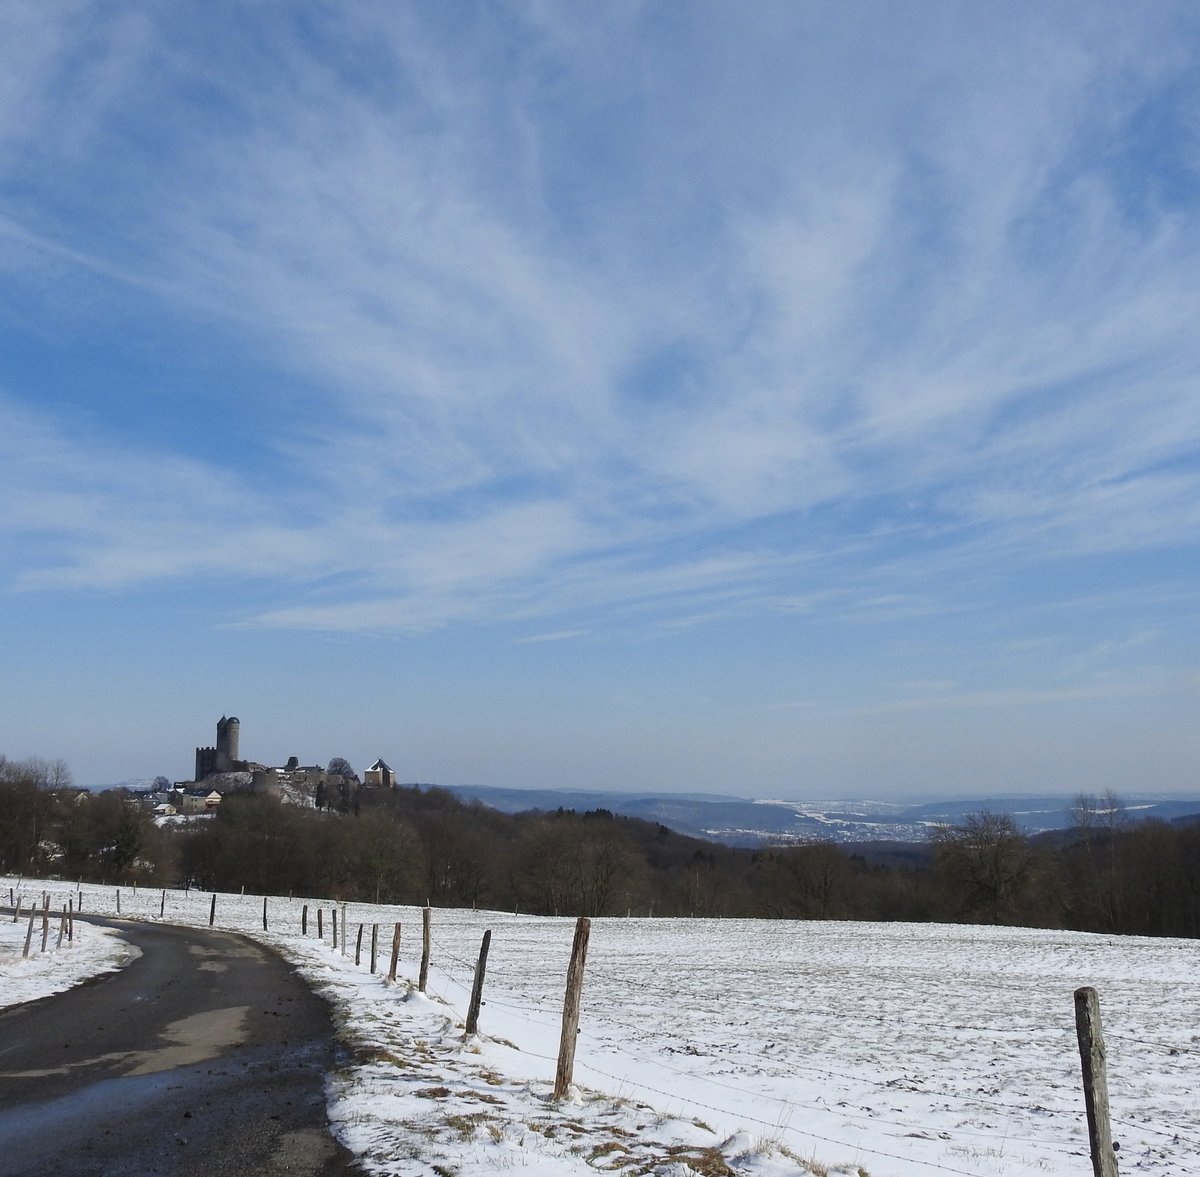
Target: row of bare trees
(1105, 874)
(47, 824)
(410, 845)
(432, 848)
(415, 845)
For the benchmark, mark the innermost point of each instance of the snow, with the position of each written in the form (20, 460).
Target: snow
(91, 951)
(771, 1047)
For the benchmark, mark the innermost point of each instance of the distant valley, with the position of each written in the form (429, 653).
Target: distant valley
(737, 821)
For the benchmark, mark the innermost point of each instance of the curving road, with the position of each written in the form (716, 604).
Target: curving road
(206, 1055)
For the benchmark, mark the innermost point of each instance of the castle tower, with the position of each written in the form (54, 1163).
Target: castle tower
(228, 733)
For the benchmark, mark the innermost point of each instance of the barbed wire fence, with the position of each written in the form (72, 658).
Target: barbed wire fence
(450, 982)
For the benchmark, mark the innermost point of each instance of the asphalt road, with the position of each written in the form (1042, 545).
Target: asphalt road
(207, 1055)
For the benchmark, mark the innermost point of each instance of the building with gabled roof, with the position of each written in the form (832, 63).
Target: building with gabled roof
(380, 776)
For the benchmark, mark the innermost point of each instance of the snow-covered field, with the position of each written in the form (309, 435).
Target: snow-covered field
(93, 950)
(768, 1047)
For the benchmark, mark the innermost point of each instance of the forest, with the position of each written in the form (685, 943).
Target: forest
(413, 845)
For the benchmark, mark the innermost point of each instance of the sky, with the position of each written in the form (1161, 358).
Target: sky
(782, 400)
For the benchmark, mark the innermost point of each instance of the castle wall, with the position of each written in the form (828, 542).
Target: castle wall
(206, 762)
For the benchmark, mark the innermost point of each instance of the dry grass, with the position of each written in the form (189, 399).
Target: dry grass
(708, 1162)
(465, 1125)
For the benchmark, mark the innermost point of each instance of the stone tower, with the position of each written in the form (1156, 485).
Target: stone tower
(225, 757)
(228, 731)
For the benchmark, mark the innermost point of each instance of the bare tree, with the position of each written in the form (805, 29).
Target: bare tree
(1100, 823)
(385, 857)
(805, 882)
(988, 870)
(26, 808)
(58, 775)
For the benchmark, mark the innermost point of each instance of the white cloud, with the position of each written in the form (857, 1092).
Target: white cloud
(896, 288)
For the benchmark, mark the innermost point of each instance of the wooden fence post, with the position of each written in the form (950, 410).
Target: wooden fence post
(62, 928)
(17, 912)
(118, 901)
(333, 912)
(358, 947)
(29, 930)
(345, 929)
(570, 1018)
(320, 923)
(426, 938)
(395, 953)
(264, 913)
(212, 911)
(1095, 1082)
(45, 921)
(374, 945)
(477, 987)
(162, 907)
(304, 921)
(71, 920)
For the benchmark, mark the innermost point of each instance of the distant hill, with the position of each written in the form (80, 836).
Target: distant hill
(741, 822)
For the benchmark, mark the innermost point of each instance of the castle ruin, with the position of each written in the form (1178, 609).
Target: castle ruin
(224, 760)
(224, 757)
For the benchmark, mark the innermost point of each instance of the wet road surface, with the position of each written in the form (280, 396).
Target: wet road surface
(206, 1055)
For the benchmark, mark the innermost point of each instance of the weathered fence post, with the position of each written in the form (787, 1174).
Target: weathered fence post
(71, 920)
(358, 947)
(320, 923)
(345, 929)
(45, 920)
(1095, 1081)
(304, 921)
(333, 912)
(395, 953)
(426, 938)
(477, 987)
(374, 945)
(212, 911)
(29, 930)
(570, 1018)
(17, 912)
(62, 928)
(118, 901)
(162, 906)
(264, 913)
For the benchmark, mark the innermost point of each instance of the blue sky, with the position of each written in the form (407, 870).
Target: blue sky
(789, 400)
